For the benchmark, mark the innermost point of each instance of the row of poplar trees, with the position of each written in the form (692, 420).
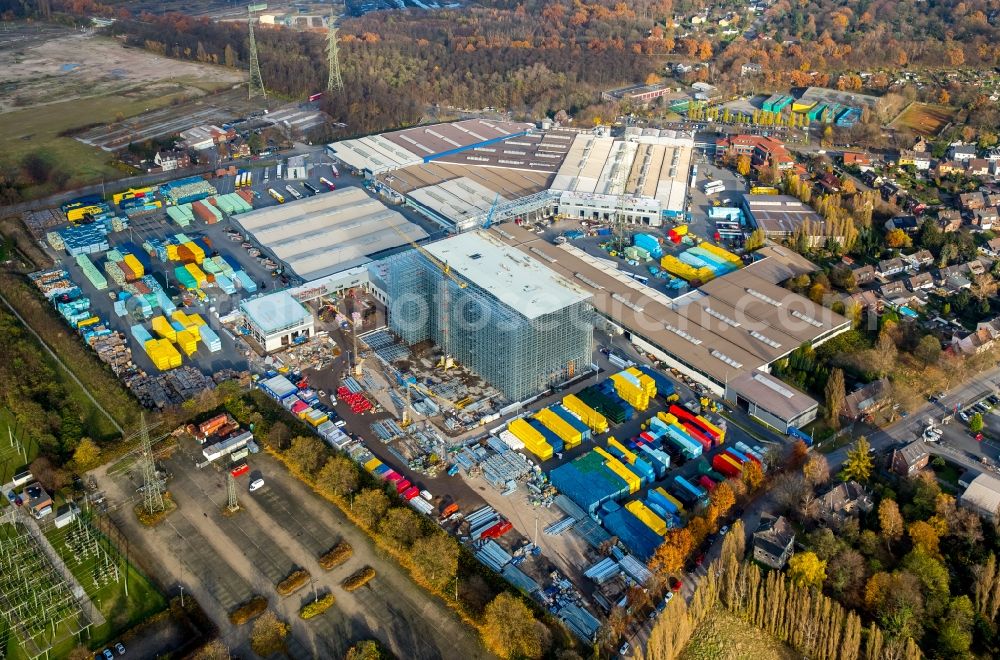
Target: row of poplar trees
(801, 616)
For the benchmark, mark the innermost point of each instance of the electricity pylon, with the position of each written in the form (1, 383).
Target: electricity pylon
(151, 493)
(334, 83)
(256, 79)
(234, 504)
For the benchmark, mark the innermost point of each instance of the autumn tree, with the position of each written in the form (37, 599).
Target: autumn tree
(369, 506)
(670, 556)
(306, 455)
(509, 628)
(924, 536)
(986, 588)
(743, 164)
(883, 357)
(806, 569)
(897, 239)
(859, 463)
(338, 477)
(836, 395)
(268, 635)
(367, 650)
(401, 525)
(890, 521)
(435, 559)
(755, 240)
(214, 650)
(87, 455)
(928, 350)
(752, 476)
(816, 470)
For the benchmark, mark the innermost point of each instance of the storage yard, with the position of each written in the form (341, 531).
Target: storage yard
(463, 370)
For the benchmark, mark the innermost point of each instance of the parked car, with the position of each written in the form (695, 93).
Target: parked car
(625, 648)
(120, 648)
(963, 416)
(256, 484)
(108, 655)
(724, 530)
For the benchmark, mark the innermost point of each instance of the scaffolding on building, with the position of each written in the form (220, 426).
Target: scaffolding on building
(518, 355)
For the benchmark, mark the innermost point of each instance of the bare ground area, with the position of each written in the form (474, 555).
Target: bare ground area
(53, 67)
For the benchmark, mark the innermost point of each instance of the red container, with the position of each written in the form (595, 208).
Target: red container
(706, 483)
(497, 530)
(239, 469)
(726, 465)
(402, 484)
(202, 213)
(393, 476)
(410, 493)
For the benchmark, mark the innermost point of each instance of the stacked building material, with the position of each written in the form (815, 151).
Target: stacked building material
(187, 342)
(649, 243)
(631, 531)
(182, 215)
(206, 212)
(85, 239)
(210, 339)
(597, 422)
(570, 436)
(164, 329)
(532, 439)
(244, 281)
(629, 388)
(91, 273)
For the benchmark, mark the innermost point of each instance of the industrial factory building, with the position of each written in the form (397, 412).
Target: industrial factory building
(736, 324)
(646, 174)
(328, 233)
(277, 320)
(496, 310)
(375, 154)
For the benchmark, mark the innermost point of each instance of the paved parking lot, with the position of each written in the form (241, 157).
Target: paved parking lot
(225, 560)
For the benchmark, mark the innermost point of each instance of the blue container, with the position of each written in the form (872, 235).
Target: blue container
(604, 231)
(572, 420)
(653, 497)
(698, 492)
(637, 537)
(554, 440)
(664, 386)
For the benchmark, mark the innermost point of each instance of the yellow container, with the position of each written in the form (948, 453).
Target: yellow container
(187, 342)
(135, 265)
(629, 455)
(670, 498)
(553, 422)
(372, 464)
(199, 254)
(597, 422)
(85, 322)
(532, 439)
(196, 319)
(720, 252)
(197, 273)
(667, 418)
(182, 318)
(681, 230)
(675, 266)
(318, 420)
(627, 390)
(172, 252)
(616, 466)
(712, 427)
(646, 515)
(162, 327)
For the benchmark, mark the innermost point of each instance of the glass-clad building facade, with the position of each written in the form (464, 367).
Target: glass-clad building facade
(520, 348)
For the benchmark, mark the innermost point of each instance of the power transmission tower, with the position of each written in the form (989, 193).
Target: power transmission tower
(152, 492)
(335, 83)
(234, 504)
(256, 80)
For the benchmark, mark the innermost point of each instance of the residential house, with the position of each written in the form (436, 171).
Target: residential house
(974, 343)
(866, 399)
(962, 152)
(844, 501)
(204, 137)
(920, 281)
(971, 201)
(992, 199)
(978, 266)
(892, 290)
(871, 179)
(919, 259)
(977, 167)
(890, 267)
(868, 301)
(891, 192)
(175, 159)
(773, 541)
(751, 69)
(910, 458)
(992, 247)
(992, 326)
(829, 183)
(946, 167)
(956, 282)
(920, 145)
(949, 220)
(984, 219)
(38, 502)
(919, 160)
(993, 155)
(864, 274)
(859, 160)
(907, 223)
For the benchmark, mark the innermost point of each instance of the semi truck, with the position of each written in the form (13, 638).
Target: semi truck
(326, 182)
(293, 192)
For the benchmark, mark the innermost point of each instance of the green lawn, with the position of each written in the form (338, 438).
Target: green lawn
(725, 636)
(38, 129)
(122, 611)
(10, 458)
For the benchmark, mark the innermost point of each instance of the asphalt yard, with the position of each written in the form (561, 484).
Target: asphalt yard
(225, 559)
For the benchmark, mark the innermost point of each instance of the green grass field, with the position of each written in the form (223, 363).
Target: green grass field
(725, 636)
(38, 129)
(10, 458)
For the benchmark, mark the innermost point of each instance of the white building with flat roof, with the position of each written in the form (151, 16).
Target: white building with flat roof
(277, 320)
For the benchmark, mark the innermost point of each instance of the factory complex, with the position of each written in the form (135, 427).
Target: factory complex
(329, 233)
(462, 173)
